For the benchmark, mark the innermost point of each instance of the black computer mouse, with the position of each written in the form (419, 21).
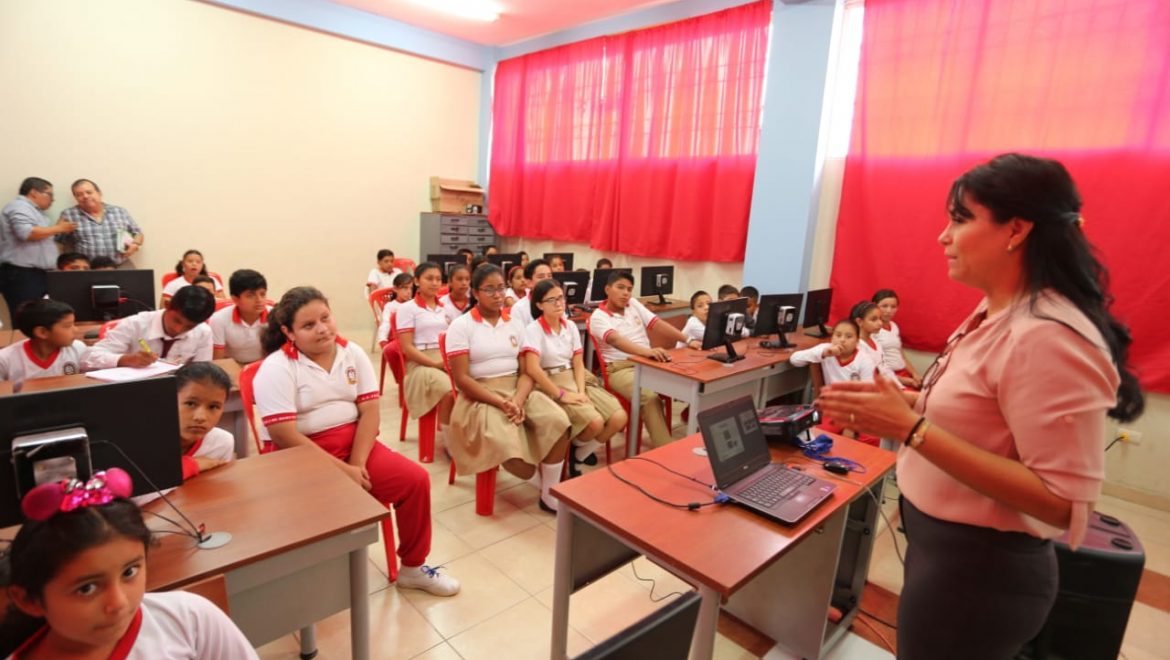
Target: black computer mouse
(836, 467)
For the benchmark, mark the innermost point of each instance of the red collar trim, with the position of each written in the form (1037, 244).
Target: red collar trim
(120, 652)
(238, 320)
(544, 324)
(871, 343)
(456, 305)
(478, 318)
(887, 326)
(28, 351)
(290, 349)
(605, 307)
(194, 448)
(848, 362)
(418, 300)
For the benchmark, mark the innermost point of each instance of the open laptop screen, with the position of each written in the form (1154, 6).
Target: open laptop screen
(735, 442)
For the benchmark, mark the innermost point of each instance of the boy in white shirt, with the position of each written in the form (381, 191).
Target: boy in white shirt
(535, 271)
(203, 390)
(176, 334)
(382, 275)
(697, 323)
(50, 349)
(235, 330)
(620, 329)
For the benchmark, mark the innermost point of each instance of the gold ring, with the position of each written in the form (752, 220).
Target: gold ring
(852, 418)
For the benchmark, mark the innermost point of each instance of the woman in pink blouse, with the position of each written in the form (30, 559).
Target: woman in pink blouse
(1004, 446)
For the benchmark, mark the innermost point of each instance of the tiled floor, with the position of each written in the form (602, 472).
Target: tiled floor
(505, 563)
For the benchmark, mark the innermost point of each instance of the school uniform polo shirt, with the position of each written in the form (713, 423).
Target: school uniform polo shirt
(179, 282)
(384, 326)
(191, 346)
(870, 349)
(218, 444)
(18, 363)
(632, 324)
(492, 350)
(889, 339)
(291, 387)
(230, 332)
(415, 316)
(693, 330)
(450, 309)
(858, 366)
(380, 279)
(555, 349)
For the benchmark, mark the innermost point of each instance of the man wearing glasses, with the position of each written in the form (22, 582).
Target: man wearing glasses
(27, 248)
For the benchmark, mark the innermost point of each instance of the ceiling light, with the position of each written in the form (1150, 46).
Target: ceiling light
(476, 10)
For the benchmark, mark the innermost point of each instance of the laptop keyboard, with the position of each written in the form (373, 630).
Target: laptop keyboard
(775, 486)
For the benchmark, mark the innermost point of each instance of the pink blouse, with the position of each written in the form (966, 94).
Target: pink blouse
(1032, 384)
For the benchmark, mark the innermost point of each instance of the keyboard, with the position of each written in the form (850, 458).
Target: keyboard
(775, 486)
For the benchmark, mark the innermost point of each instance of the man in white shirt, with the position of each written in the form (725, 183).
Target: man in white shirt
(176, 334)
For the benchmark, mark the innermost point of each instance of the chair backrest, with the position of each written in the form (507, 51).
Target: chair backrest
(167, 278)
(817, 376)
(405, 265)
(446, 364)
(378, 300)
(597, 354)
(106, 327)
(394, 335)
(248, 399)
(218, 278)
(664, 634)
(220, 304)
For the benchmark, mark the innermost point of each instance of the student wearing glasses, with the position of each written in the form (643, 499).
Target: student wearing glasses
(499, 419)
(1004, 446)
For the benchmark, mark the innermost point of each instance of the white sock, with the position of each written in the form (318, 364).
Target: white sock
(582, 450)
(535, 478)
(550, 475)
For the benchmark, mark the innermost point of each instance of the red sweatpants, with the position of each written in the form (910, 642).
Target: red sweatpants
(395, 480)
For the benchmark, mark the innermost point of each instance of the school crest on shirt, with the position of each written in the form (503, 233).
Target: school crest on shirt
(69, 368)
(351, 375)
(515, 344)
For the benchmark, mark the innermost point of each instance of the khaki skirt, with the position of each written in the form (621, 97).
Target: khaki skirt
(481, 437)
(602, 405)
(424, 386)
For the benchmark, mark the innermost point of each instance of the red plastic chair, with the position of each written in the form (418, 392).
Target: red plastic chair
(106, 327)
(485, 482)
(405, 265)
(248, 398)
(398, 370)
(220, 304)
(167, 278)
(666, 401)
(378, 299)
(428, 423)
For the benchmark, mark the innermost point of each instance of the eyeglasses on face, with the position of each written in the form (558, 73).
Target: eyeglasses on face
(554, 300)
(493, 290)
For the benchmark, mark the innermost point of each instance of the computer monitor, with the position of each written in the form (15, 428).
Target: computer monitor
(575, 285)
(55, 434)
(102, 295)
(446, 262)
(600, 279)
(816, 311)
(777, 314)
(658, 281)
(567, 256)
(505, 260)
(725, 323)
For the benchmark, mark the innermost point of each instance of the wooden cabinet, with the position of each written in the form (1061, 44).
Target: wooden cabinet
(444, 233)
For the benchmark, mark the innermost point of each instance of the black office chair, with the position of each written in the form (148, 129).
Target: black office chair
(664, 634)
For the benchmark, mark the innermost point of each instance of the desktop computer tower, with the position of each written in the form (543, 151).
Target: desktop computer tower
(1098, 583)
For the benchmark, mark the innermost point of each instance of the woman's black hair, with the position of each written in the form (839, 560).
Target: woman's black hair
(456, 268)
(39, 313)
(179, 265)
(695, 297)
(482, 273)
(207, 373)
(424, 267)
(1057, 255)
(849, 322)
(538, 293)
(861, 309)
(42, 547)
(402, 279)
(201, 279)
(281, 316)
(882, 294)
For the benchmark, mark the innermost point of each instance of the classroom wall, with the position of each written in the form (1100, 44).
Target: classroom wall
(262, 144)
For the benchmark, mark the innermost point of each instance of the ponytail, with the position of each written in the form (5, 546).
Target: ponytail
(281, 317)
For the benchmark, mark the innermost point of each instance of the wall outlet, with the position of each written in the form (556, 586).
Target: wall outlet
(1130, 436)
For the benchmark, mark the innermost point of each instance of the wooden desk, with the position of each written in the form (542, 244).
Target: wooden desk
(233, 420)
(779, 579)
(11, 335)
(672, 307)
(5, 387)
(299, 530)
(701, 383)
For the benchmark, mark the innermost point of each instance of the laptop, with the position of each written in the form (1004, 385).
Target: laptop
(744, 470)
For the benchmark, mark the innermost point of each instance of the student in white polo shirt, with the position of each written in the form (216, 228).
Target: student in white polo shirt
(537, 270)
(620, 328)
(176, 334)
(317, 389)
(235, 330)
(457, 300)
(554, 362)
(499, 419)
(50, 349)
(418, 324)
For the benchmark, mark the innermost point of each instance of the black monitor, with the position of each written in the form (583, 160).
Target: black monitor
(725, 323)
(664, 634)
(505, 260)
(446, 262)
(816, 311)
(567, 256)
(127, 424)
(777, 315)
(103, 295)
(574, 284)
(658, 281)
(601, 278)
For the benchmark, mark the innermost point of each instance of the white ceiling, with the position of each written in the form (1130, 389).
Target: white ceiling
(519, 19)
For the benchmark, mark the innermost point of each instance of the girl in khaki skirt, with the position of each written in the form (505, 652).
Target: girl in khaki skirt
(553, 361)
(498, 419)
(418, 323)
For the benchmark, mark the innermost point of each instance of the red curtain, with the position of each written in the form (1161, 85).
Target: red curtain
(946, 85)
(642, 142)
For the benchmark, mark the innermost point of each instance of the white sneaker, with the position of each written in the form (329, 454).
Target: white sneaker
(428, 579)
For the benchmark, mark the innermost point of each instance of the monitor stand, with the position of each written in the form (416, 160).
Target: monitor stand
(781, 342)
(729, 357)
(661, 299)
(821, 331)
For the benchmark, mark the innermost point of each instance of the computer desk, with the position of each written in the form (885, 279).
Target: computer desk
(781, 580)
(233, 419)
(299, 530)
(701, 383)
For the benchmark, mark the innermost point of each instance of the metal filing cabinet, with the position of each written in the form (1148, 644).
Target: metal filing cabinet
(444, 233)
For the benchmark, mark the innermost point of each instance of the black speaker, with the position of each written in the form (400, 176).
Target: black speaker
(1098, 583)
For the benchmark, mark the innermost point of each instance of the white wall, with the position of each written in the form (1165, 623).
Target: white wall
(262, 144)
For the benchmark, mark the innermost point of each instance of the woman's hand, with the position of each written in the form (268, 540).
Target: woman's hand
(514, 412)
(575, 397)
(659, 354)
(910, 381)
(519, 402)
(206, 464)
(359, 474)
(878, 408)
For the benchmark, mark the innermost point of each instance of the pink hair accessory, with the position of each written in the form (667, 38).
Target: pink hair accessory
(47, 500)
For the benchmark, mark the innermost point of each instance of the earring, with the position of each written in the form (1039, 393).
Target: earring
(1010, 247)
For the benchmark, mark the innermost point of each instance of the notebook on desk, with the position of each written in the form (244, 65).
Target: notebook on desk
(744, 470)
